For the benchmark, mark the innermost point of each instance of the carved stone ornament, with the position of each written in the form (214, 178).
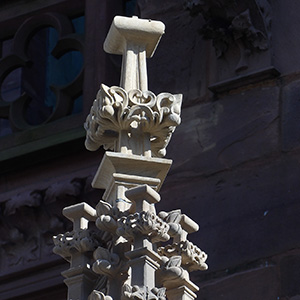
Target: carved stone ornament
(108, 216)
(193, 258)
(228, 21)
(116, 112)
(137, 125)
(69, 40)
(244, 23)
(108, 263)
(143, 293)
(144, 223)
(80, 241)
(171, 274)
(96, 295)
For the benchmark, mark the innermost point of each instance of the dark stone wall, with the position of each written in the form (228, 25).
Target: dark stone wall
(236, 156)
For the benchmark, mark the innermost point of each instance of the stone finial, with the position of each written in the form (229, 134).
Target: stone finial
(127, 263)
(135, 39)
(130, 119)
(79, 240)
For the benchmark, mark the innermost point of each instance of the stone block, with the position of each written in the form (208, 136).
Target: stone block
(258, 284)
(222, 134)
(182, 44)
(290, 125)
(285, 46)
(290, 274)
(244, 214)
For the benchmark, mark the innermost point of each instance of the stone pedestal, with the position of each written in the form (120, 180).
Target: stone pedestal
(119, 172)
(80, 282)
(181, 293)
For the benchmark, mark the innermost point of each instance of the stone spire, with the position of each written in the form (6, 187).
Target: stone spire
(121, 259)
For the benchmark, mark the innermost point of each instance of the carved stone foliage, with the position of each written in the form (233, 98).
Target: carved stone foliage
(68, 41)
(115, 110)
(244, 23)
(143, 293)
(171, 269)
(96, 295)
(81, 241)
(108, 216)
(29, 219)
(193, 258)
(144, 223)
(19, 248)
(108, 263)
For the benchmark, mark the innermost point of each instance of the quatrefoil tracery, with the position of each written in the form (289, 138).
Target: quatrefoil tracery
(66, 94)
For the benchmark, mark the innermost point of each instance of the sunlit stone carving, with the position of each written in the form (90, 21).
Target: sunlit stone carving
(137, 125)
(132, 122)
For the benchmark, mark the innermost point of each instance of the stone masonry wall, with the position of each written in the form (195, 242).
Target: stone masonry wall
(236, 156)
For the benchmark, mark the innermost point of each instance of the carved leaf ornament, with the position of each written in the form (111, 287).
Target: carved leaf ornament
(143, 293)
(193, 258)
(107, 263)
(81, 241)
(96, 295)
(116, 110)
(145, 223)
(246, 23)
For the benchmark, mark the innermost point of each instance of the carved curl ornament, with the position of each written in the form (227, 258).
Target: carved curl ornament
(96, 295)
(115, 110)
(109, 264)
(143, 293)
(193, 258)
(246, 24)
(229, 21)
(80, 241)
(143, 223)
